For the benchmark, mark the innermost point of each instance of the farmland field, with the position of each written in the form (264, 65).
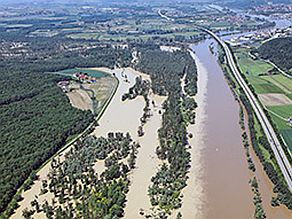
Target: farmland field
(249, 66)
(269, 85)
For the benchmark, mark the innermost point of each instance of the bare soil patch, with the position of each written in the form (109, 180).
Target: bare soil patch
(80, 99)
(274, 99)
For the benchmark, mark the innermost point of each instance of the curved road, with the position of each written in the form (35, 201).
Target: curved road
(281, 157)
(279, 153)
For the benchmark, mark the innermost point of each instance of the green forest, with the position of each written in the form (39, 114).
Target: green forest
(35, 115)
(278, 51)
(167, 70)
(35, 123)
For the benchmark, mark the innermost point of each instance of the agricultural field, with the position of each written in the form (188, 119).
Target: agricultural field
(274, 91)
(145, 29)
(128, 24)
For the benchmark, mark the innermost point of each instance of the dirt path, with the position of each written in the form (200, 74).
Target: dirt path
(80, 99)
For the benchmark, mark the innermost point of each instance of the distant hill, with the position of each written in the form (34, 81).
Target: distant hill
(279, 51)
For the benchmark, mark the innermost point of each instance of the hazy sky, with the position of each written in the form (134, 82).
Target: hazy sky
(5, 2)
(97, 1)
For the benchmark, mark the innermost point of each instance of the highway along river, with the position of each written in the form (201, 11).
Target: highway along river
(226, 175)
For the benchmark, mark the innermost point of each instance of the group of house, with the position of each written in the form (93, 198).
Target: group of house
(262, 36)
(84, 77)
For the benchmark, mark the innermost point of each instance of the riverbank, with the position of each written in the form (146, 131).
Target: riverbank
(194, 194)
(120, 116)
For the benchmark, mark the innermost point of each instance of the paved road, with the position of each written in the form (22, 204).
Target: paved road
(265, 123)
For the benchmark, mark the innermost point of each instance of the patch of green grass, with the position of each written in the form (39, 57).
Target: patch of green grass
(263, 88)
(280, 123)
(287, 135)
(249, 66)
(284, 111)
(284, 128)
(281, 81)
(252, 69)
(70, 138)
(264, 151)
(289, 95)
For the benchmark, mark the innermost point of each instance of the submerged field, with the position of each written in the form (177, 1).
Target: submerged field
(274, 91)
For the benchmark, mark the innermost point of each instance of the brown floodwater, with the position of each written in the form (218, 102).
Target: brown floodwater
(226, 175)
(218, 180)
(266, 189)
(225, 178)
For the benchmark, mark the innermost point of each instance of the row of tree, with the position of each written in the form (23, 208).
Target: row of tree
(166, 70)
(140, 88)
(259, 140)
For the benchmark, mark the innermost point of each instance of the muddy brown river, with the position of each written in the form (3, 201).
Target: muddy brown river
(227, 193)
(226, 175)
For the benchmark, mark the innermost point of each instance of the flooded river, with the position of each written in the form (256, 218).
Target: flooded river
(218, 185)
(225, 172)
(226, 175)
(125, 117)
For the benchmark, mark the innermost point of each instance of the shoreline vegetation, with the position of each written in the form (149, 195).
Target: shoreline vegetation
(41, 197)
(166, 70)
(140, 88)
(194, 194)
(173, 75)
(79, 190)
(30, 182)
(138, 148)
(257, 200)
